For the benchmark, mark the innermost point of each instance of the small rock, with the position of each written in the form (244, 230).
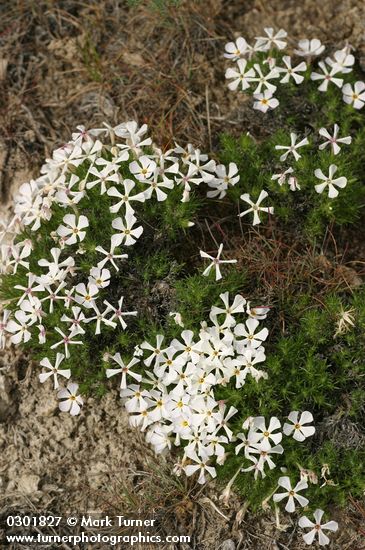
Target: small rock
(227, 545)
(68, 443)
(3, 67)
(7, 406)
(47, 406)
(28, 484)
(4, 388)
(134, 59)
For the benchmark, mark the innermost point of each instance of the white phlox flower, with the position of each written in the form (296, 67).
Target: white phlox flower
(355, 95)
(19, 327)
(298, 427)
(86, 295)
(238, 306)
(73, 230)
(30, 289)
(126, 198)
(127, 233)
(100, 277)
(271, 40)
(100, 318)
(317, 528)
(103, 176)
(237, 49)
(327, 76)
(291, 493)
(343, 60)
(267, 436)
(240, 77)
(292, 148)
(264, 80)
(223, 180)
(255, 207)
(257, 312)
(119, 312)
(200, 465)
(292, 72)
(265, 101)
(124, 369)
(54, 370)
(329, 181)
(70, 400)
(309, 48)
(75, 321)
(66, 341)
(110, 256)
(333, 140)
(143, 169)
(216, 262)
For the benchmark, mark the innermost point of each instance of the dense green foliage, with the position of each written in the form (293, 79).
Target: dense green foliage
(310, 367)
(159, 257)
(303, 110)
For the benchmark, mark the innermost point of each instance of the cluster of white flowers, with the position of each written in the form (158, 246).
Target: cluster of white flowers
(260, 442)
(327, 181)
(254, 207)
(292, 496)
(102, 155)
(223, 180)
(248, 71)
(180, 407)
(220, 184)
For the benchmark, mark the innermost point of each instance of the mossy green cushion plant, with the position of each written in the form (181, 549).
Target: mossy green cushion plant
(218, 352)
(72, 243)
(308, 175)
